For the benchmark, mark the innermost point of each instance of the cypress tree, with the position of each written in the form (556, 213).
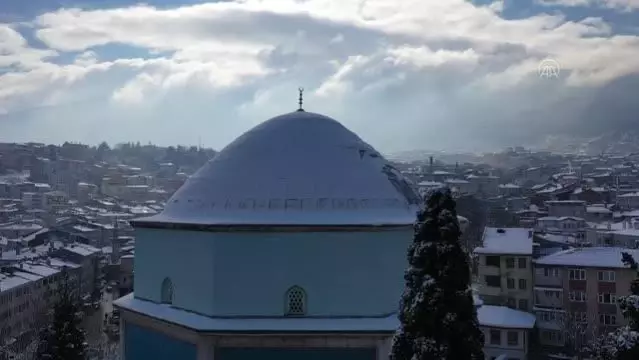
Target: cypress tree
(63, 338)
(437, 314)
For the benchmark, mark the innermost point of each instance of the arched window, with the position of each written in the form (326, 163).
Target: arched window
(295, 301)
(167, 291)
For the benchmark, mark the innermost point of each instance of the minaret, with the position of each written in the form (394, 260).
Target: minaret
(300, 101)
(430, 168)
(115, 244)
(617, 191)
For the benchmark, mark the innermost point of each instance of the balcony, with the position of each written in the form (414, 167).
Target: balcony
(549, 319)
(551, 298)
(548, 277)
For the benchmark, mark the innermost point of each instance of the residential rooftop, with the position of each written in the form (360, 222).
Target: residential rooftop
(515, 241)
(504, 317)
(599, 257)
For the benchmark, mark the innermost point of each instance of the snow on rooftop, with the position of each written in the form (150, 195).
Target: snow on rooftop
(457, 181)
(82, 249)
(430, 184)
(20, 227)
(38, 269)
(10, 282)
(560, 218)
(598, 210)
(558, 238)
(633, 213)
(627, 232)
(595, 189)
(299, 168)
(515, 241)
(59, 263)
(27, 276)
(602, 257)
(503, 317)
(607, 226)
(387, 324)
(82, 228)
(565, 202)
(142, 210)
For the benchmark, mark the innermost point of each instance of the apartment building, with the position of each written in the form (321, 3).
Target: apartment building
(33, 200)
(504, 267)
(27, 291)
(88, 257)
(506, 332)
(56, 200)
(576, 291)
(562, 224)
(566, 208)
(628, 201)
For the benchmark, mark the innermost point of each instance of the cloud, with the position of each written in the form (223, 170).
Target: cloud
(622, 5)
(389, 69)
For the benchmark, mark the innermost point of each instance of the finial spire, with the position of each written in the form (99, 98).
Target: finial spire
(301, 99)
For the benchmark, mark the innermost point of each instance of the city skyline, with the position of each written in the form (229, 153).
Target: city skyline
(438, 75)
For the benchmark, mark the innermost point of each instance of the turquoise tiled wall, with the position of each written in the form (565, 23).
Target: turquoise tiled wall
(294, 354)
(145, 344)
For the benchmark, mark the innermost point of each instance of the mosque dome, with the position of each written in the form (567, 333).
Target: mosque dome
(296, 169)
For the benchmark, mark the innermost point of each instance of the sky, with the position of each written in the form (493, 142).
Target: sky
(453, 75)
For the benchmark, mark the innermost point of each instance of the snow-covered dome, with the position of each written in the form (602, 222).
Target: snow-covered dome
(299, 168)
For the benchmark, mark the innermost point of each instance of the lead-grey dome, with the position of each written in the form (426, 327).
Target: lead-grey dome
(299, 168)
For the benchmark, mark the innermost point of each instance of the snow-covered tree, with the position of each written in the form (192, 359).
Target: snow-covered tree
(63, 338)
(578, 331)
(104, 350)
(437, 314)
(623, 344)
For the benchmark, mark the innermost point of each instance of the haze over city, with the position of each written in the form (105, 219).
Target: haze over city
(319, 180)
(403, 74)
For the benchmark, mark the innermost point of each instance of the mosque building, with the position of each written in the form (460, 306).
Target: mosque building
(289, 244)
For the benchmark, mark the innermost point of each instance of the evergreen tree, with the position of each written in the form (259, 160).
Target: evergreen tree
(623, 344)
(437, 314)
(63, 338)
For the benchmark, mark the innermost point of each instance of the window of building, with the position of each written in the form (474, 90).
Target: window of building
(493, 261)
(607, 298)
(549, 316)
(513, 338)
(522, 263)
(495, 337)
(551, 336)
(510, 263)
(607, 319)
(580, 317)
(522, 284)
(492, 280)
(554, 272)
(577, 296)
(167, 291)
(295, 301)
(607, 276)
(577, 274)
(523, 304)
(552, 294)
(510, 283)
(511, 302)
